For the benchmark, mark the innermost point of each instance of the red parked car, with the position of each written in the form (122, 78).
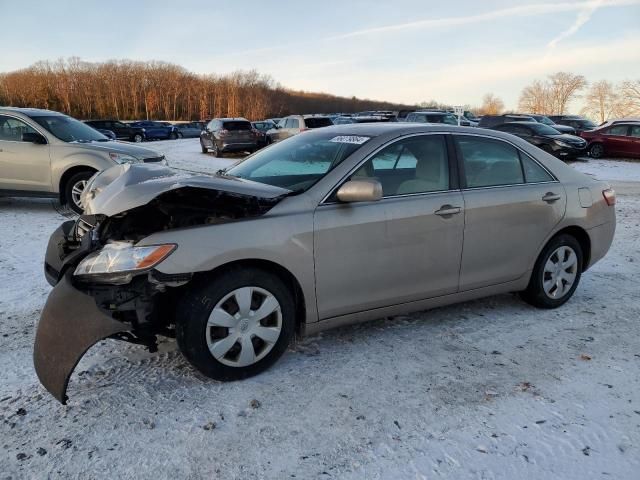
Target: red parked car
(619, 138)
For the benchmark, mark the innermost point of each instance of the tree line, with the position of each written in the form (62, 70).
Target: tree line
(128, 90)
(602, 100)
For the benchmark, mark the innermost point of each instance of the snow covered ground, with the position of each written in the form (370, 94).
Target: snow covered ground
(489, 389)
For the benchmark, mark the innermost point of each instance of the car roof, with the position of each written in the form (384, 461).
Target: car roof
(31, 112)
(519, 124)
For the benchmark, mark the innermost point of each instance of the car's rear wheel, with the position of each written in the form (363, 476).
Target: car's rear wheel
(74, 188)
(596, 150)
(556, 273)
(173, 136)
(137, 138)
(237, 325)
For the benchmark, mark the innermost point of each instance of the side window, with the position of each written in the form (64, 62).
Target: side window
(533, 172)
(635, 131)
(413, 165)
(489, 162)
(620, 130)
(288, 123)
(11, 129)
(295, 123)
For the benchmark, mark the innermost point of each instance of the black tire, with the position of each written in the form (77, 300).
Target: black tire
(70, 195)
(173, 136)
(535, 294)
(596, 150)
(138, 138)
(216, 151)
(197, 305)
(203, 148)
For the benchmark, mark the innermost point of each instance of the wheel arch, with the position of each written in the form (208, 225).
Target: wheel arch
(581, 235)
(64, 178)
(269, 266)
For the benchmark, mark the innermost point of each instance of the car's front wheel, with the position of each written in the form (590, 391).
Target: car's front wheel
(556, 273)
(237, 325)
(74, 188)
(173, 136)
(203, 148)
(138, 138)
(596, 150)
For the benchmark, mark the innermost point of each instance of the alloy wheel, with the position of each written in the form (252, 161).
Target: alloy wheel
(76, 192)
(244, 326)
(560, 272)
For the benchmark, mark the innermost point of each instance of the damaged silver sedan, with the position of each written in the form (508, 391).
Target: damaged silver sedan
(338, 225)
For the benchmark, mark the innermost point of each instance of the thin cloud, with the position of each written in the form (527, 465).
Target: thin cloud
(519, 11)
(583, 17)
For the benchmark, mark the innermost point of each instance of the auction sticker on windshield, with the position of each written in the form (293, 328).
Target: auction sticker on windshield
(356, 140)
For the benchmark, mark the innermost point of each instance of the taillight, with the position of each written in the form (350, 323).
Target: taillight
(304, 129)
(223, 132)
(255, 132)
(609, 196)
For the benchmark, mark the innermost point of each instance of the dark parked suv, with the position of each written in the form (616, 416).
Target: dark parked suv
(223, 135)
(580, 124)
(120, 129)
(490, 121)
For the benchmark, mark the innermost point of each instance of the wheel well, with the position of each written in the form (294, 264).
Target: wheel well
(268, 266)
(67, 175)
(583, 239)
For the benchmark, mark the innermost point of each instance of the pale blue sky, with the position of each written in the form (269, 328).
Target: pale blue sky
(400, 50)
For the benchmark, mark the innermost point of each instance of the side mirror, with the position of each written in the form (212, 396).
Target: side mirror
(360, 191)
(33, 137)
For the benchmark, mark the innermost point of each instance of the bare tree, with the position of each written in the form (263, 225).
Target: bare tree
(601, 101)
(563, 88)
(629, 97)
(491, 105)
(535, 98)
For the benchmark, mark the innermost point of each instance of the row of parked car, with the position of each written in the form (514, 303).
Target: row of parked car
(144, 130)
(564, 136)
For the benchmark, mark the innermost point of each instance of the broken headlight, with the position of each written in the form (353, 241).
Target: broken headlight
(118, 262)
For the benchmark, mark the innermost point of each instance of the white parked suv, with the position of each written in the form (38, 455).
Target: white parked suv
(48, 154)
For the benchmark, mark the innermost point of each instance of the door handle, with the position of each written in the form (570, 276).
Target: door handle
(446, 210)
(551, 197)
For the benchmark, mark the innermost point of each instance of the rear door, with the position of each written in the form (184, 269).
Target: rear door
(24, 166)
(634, 133)
(617, 140)
(511, 202)
(403, 248)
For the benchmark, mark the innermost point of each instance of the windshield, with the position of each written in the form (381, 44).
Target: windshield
(69, 129)
(586, 124)
(318, 122)
(300, 161)
(545, 120)
(542, 129)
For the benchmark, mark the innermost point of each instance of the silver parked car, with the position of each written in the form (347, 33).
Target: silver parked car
(48, 154)
(339, 225)
(294, 124)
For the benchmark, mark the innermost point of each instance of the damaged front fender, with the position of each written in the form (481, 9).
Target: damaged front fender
(69, 325)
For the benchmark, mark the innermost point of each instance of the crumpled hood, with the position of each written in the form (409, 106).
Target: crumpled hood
(123, 187)
(119, 147)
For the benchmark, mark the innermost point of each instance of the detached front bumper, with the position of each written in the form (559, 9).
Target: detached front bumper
(69, 325)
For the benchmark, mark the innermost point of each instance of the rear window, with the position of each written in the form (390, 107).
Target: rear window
(236, 125)
(318, 122)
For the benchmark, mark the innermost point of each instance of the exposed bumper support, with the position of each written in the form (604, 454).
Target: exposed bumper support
(69, 325)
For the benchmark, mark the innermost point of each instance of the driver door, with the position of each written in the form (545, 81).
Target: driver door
(400, 249)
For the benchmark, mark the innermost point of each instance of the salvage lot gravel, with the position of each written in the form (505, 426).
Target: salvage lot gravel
(487, 389)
